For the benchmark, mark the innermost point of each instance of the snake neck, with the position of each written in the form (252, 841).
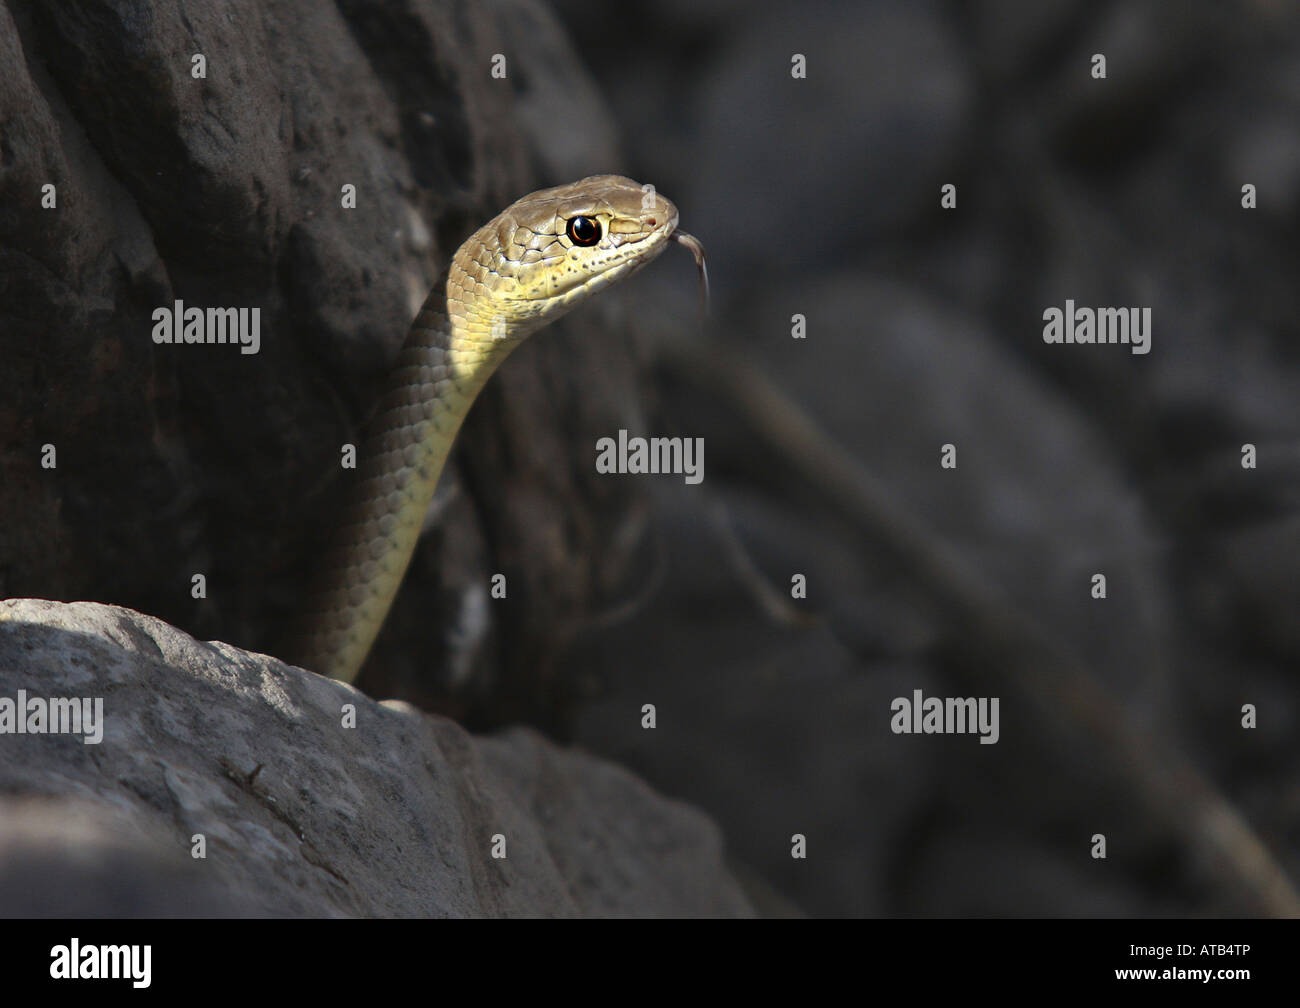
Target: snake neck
(522, 270)
(450, 352)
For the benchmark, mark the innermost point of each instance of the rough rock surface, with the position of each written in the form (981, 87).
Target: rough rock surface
(302, 816)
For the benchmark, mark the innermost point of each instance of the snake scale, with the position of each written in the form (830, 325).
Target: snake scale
(535, 261)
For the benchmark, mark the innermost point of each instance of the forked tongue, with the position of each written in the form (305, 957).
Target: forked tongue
(697, 250)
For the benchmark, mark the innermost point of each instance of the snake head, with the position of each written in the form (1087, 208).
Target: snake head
(549, 251)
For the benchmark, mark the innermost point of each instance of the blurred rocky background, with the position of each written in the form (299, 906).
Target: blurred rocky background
(821, 197)
(816, 196)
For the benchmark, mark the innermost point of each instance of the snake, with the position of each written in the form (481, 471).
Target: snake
(534, 262)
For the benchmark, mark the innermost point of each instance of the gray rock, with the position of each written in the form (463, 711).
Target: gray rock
(302, 816)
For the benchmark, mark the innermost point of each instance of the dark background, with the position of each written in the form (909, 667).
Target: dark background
(820, 197)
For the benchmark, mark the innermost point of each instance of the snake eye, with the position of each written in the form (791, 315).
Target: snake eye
(583, 231)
